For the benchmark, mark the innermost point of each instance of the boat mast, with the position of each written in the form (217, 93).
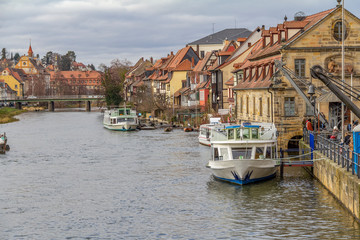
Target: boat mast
(342, 69)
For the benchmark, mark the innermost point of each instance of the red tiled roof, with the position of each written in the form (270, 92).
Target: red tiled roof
(295, 24)
(178, 58)
(263, 81)
(181, 91)
(204, 84)
(230, 81)
(225, 53)
(183, 66)
(76, 74)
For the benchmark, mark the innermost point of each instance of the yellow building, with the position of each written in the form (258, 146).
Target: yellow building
(178, 82)
(14, 78)
(28, 63)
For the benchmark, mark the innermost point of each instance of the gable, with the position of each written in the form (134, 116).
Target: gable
(321, 35)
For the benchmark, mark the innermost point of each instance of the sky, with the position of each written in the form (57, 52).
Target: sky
(99, 31)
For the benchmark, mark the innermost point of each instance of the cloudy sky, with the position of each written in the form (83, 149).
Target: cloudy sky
(99, 31)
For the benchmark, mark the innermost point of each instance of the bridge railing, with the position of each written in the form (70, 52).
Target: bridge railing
(339, 153)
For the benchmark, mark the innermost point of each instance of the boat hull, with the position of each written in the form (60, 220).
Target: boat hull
(121, 127)
(243, 171)
(204, 141)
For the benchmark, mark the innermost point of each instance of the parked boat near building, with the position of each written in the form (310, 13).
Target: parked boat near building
(120, 119)
(206, 129)
(243, 154)
(3, 143)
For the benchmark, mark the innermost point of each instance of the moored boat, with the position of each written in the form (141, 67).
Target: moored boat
(243, 154)
(206, 129)
(3, 143)
(120, 119)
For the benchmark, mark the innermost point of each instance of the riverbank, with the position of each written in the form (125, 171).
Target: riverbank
(7, 115)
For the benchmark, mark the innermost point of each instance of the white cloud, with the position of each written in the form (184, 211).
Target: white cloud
(100, 31)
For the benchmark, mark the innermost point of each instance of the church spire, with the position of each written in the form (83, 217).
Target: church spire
(30, 52)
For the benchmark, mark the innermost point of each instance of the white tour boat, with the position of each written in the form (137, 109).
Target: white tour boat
(244, 153)
(120, 119)
(205, 130)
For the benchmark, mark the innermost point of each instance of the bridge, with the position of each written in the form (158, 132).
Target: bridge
(19, 101)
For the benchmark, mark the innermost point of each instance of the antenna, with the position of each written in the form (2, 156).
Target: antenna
(213, 27)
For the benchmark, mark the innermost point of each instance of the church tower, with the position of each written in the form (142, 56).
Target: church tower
(30, 52)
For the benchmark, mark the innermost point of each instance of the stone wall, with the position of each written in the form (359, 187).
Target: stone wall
(342, 184)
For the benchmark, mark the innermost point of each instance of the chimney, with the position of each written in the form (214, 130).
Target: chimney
(151, 60)
(172, 53)
(263, 27)
(249, 44)
(192, 62)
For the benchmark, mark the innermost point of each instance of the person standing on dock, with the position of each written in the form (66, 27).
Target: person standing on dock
(309, 126)
(335, 133)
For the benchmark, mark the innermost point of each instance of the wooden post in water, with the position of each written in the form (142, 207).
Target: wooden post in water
(18, 105)
(88, 106)
(51, 106)
(281, 163)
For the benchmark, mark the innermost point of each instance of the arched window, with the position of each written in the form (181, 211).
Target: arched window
(337, 31)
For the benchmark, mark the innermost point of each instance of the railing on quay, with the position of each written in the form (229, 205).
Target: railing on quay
(336, 151)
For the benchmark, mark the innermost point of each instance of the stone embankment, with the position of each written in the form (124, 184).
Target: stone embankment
(341, 183)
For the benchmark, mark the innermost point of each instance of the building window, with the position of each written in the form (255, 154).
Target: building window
(260, 106)
(202, 54)
(24, 63)
(337, 31)
(300, 68)
(247, 105)
(289, 106)
(253, 105)
(268, 106)
(16, 86)
(183, 83)
(241, 104)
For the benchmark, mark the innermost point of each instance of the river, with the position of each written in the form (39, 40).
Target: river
(66, 177)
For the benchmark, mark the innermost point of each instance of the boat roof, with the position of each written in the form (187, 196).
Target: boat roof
(247, 126)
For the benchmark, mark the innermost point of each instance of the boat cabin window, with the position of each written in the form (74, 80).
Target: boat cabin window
(124, 111)
(215, 154)
(241, 153)
(224, 154)
(246, 133)
(203, 131)
(270, 152)
(125, 120)
(231, 134)
(259, 153)
(237, 131)
(254, 133)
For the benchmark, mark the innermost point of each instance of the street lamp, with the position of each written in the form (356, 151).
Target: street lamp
(217, 103)
(311, 92)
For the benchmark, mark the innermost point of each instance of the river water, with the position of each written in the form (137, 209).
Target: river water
(66, 177)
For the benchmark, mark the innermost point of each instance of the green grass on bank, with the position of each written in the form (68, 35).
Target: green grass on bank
(7, 114)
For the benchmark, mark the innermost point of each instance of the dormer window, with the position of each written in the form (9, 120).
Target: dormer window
(24, 63)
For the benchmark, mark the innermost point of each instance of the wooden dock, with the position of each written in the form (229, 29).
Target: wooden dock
(294, 163)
